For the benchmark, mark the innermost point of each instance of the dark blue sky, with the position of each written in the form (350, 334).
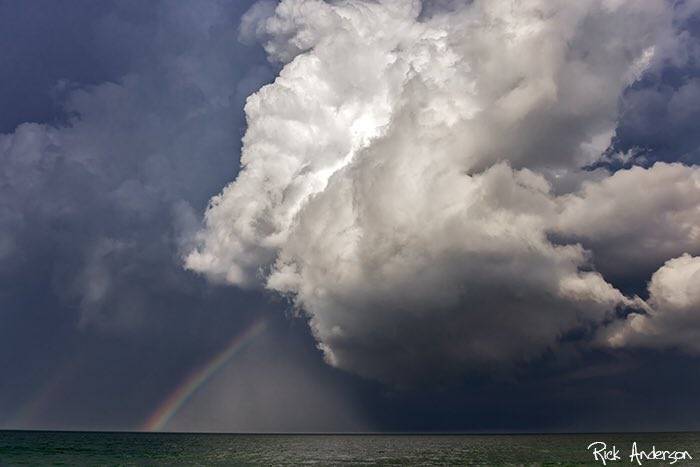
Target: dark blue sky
(120, 120)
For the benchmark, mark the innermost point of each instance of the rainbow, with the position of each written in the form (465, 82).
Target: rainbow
(197, 378)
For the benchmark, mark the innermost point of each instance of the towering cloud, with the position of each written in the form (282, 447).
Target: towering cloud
(407, 179)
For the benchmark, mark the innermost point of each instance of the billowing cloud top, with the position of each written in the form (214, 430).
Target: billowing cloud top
(412, 181)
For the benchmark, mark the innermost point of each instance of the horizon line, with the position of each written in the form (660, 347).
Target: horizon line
(349, 433)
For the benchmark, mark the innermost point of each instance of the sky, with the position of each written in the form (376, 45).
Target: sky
(350, 215)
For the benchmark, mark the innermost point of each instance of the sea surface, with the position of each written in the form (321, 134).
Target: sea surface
(94, 448)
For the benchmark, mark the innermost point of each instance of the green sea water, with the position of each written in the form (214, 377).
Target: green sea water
(94, 448)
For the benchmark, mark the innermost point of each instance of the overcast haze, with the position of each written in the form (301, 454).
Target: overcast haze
(451, 215)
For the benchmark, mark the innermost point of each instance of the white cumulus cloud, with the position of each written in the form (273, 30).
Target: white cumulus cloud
(397, 182)
(636, 219)
(673, 315)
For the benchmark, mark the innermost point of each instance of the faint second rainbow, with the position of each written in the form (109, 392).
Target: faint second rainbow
(168, 408)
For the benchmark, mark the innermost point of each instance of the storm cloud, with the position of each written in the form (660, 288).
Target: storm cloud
(99, 319)
(400, 179)
(491, 206)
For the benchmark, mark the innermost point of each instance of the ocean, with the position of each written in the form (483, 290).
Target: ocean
(96, 448)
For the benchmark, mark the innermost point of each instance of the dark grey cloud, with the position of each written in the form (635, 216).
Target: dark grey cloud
(106, 196)
(120, 121)
(46, 43)
(100, 321)
(659, 113)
